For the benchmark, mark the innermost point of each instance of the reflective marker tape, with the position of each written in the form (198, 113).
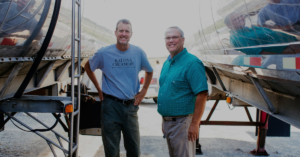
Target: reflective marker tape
(20, 42)
(247, 60)
(50, 44)
(297, 62)
(289, 63)
(256, 61)
(68, 47)
(53, 45)
(9, 41)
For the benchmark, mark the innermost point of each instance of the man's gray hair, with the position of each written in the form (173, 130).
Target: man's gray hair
(125, 21)
(181, 32)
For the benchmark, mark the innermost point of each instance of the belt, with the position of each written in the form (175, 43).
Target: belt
(173, 118)
(124, 102)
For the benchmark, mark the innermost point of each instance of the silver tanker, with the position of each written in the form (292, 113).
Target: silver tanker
(23, 30)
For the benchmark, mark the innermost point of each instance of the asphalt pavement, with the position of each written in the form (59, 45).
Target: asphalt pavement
(216, 141)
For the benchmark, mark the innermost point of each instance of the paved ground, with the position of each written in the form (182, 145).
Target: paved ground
(227, 141)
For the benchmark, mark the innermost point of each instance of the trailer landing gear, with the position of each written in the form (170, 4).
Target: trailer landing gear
(262, 125)
(261, 136)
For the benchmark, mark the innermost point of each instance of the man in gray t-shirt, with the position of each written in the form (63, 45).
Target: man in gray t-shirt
(120, 64)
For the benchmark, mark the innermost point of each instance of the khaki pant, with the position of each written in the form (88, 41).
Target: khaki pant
(176, 133)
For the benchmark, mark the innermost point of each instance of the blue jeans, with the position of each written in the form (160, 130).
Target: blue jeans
(117, 117)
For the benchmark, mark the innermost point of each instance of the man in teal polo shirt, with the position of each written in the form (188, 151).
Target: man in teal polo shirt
(182, 95)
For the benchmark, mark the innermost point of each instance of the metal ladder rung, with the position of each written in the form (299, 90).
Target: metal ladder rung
(78, 3)
(75, 113)
(77, 76)
(77, 39)
(74, 148)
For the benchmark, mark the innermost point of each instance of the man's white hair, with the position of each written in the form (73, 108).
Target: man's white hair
(181, 32)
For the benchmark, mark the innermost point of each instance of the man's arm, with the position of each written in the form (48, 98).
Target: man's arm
(93, 78)
(140, 96)
(199, 109)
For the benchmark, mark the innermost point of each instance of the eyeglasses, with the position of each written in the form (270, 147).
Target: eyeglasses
(174, 38)
(239, 17)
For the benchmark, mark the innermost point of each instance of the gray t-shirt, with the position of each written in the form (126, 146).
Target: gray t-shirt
(120, 70)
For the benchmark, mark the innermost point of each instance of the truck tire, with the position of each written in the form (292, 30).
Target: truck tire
(155, 100)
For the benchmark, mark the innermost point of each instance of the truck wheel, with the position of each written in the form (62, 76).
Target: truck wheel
(155, 100)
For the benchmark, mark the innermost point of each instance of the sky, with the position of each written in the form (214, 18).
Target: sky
(149, 18)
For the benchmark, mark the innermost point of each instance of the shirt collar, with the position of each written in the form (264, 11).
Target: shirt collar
(184, 51)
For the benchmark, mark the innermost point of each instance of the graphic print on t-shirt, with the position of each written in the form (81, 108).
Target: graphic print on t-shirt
(123, 63)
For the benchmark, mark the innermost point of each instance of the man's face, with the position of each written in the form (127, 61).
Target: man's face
(174, 41)
(237, 21)
(123, 33)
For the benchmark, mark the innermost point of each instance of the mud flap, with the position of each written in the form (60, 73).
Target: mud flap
(90, 119)
(1, 121)
(276, 127)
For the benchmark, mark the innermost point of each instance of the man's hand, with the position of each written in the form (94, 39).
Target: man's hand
(193, 132)
(139, 97)
(100, 95)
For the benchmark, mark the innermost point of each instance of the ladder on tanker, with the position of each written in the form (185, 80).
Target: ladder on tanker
(76, 41)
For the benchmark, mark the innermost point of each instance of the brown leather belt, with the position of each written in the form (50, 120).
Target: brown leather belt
(173, 118)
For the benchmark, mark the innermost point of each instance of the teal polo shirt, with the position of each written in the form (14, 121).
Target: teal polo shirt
(181, 79)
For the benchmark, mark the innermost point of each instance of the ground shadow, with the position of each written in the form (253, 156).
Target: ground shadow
(155, 146)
